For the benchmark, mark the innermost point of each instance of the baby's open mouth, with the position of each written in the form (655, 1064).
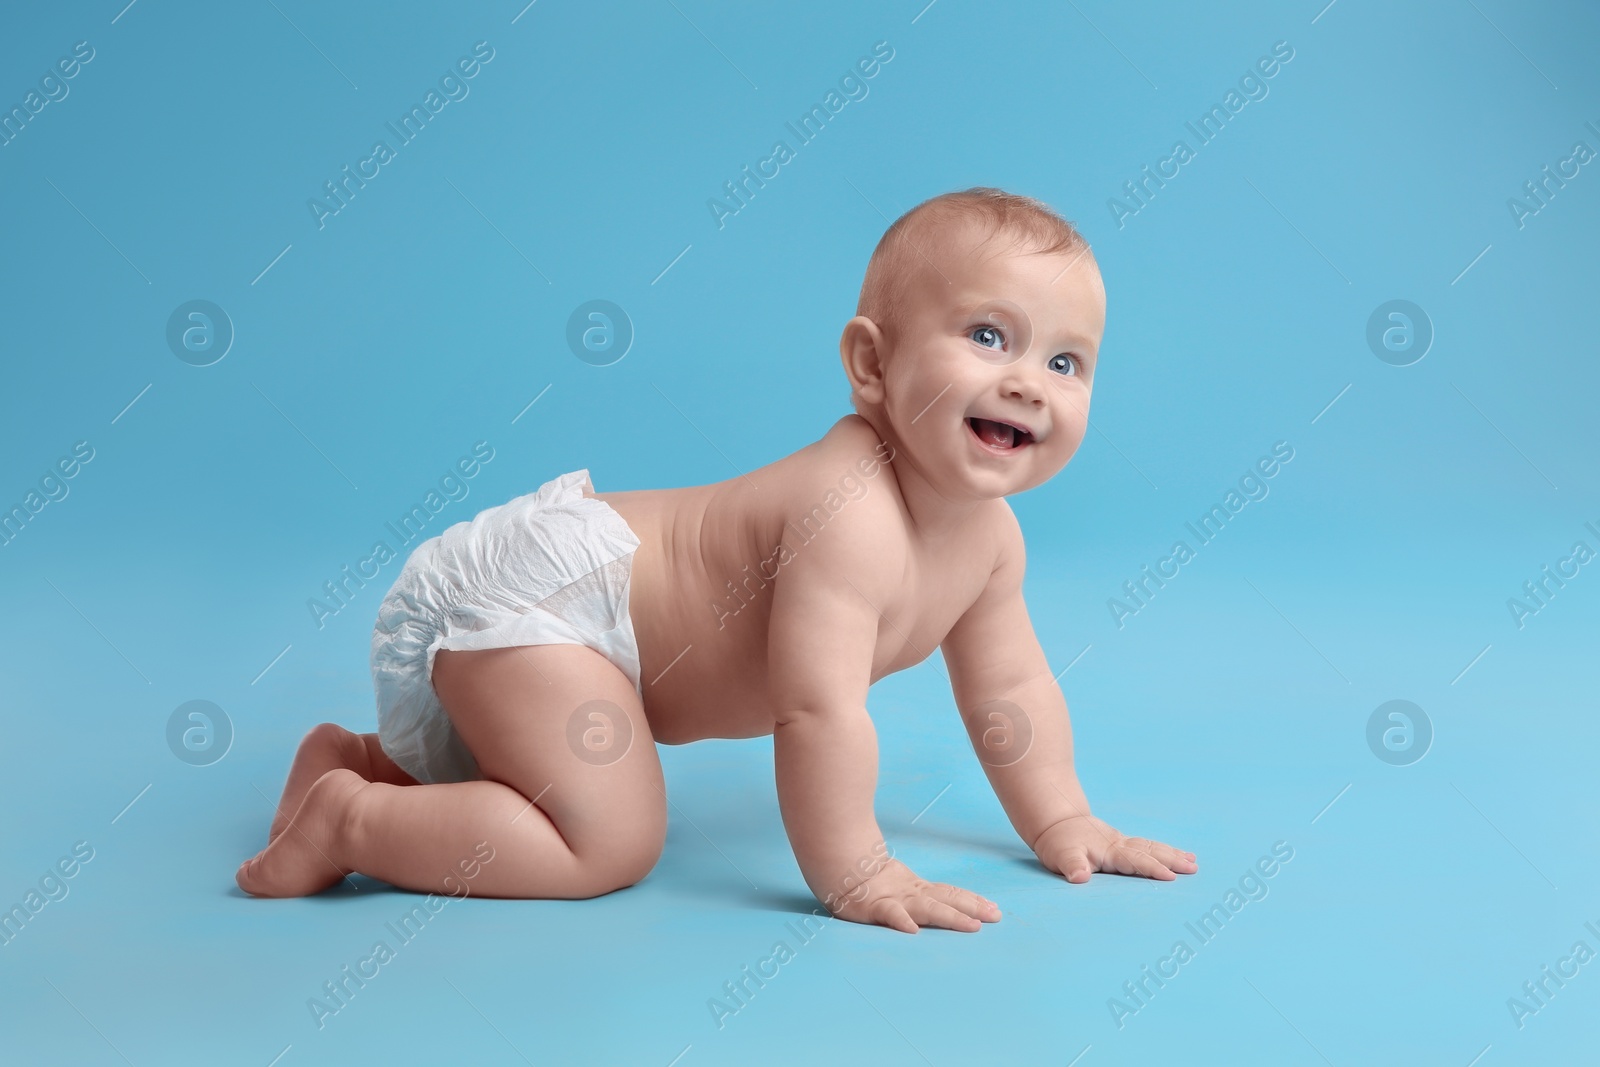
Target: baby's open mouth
(999, 434)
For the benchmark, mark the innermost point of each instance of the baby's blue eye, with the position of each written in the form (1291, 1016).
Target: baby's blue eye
(988, 336)
(1064, 364)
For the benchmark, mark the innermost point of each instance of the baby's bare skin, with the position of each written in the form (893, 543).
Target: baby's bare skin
(769, 603)
(711, 558)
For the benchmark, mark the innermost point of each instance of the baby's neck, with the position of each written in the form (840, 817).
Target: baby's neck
(932, 514)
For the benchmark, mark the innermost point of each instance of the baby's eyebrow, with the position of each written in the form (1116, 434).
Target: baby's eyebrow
(968, 307)
(1078, 343)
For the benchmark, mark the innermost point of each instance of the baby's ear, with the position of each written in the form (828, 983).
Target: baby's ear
(862, 351)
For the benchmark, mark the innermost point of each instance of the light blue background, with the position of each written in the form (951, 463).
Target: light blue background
(1224, 717)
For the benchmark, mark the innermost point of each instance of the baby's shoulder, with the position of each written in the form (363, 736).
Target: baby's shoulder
(1002, 542)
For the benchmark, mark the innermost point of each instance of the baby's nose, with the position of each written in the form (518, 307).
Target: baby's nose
(1023, 388)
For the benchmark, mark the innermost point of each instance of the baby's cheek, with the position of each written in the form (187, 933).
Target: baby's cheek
(1070, 435)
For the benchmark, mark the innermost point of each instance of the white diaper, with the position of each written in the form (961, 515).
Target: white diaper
(551, 567)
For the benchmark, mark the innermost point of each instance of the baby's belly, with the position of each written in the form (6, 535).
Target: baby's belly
(702, 644)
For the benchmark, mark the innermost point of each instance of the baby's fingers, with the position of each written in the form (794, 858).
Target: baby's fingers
(886, 911)
(1175, 859)
(1129, 860)
(1074, 864)
(932, 912)
(965, 901)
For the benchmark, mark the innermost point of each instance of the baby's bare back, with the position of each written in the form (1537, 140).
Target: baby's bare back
(710, 558)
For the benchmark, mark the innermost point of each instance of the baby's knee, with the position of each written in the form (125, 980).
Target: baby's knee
(608, 866)
(578, 877)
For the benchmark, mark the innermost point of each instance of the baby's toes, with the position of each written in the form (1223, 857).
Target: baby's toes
(247, 875)
(291, 866)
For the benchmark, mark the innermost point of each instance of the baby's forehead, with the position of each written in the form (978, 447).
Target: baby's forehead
(966, 266)
(968, 243)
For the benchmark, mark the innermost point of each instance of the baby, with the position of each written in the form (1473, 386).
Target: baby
(526, 662)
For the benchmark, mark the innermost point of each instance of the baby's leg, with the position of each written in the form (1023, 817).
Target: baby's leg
(326, 747)
(561, 824)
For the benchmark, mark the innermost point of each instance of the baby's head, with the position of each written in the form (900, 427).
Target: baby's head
(973, 347)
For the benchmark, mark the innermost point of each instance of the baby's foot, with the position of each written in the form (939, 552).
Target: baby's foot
(324, 747)
(297, 862)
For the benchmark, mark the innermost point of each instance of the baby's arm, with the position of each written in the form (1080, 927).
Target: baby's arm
(996, 668)
(823, 632)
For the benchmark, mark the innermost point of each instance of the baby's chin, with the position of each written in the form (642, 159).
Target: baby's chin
(1030, 472)
(961, 479)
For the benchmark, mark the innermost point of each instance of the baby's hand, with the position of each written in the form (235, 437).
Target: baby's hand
(897, 898)
(1077, 846)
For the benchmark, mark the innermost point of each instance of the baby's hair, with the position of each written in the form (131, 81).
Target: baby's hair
(904, 244)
